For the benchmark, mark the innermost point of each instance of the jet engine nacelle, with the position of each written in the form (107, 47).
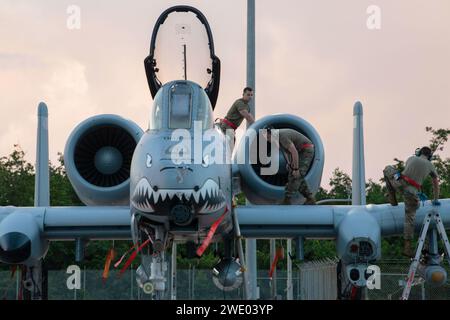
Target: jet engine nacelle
(21, 239)
(98, 157)
(259, 182)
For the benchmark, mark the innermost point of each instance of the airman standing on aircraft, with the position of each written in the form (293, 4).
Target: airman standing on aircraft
(409, 184)
(236, 114)
(299, 153)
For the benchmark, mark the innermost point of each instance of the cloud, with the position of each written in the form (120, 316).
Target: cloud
(314, 59)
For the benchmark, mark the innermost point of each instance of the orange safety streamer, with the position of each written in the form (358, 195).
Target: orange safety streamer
(278, 255)
(109, 257)
(210, 234)
(13, 270)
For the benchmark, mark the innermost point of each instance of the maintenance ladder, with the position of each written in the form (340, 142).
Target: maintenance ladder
(433, 214)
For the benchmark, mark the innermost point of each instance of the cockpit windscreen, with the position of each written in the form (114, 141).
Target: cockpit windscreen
(181, 50)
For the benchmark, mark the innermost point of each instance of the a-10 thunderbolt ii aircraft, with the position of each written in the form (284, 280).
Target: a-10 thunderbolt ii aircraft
(174, 183)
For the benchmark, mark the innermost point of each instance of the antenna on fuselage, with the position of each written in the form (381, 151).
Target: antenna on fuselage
(184, 62)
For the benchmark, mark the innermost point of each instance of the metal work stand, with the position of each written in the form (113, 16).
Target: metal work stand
(432, 215)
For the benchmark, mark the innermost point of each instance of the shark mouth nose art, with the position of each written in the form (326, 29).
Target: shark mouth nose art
(209, 198)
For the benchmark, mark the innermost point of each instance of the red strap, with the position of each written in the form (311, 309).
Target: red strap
(412, 182)
(229, 123)
(23, 273)
(210, 234)
(133, 256)
(353, 293)
(306, 145)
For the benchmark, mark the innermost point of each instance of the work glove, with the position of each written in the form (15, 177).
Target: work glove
(436, 203)
(422, 196)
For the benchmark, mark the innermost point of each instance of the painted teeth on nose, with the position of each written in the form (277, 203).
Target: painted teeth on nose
(196, 196)
(203, 192)
(203, 209)
(155, 196)
(142, 189)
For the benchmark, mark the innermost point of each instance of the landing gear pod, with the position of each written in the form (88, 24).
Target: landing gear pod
(21, 240)
(173, 41)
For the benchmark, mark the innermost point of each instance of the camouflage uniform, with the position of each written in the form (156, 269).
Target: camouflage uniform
(417, 169)
(305, 158)
(235, 117)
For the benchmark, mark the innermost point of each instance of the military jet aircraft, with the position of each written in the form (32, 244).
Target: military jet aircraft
(176, 181)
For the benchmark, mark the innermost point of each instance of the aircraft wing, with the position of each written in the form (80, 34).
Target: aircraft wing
(361, 225)
(69, 223)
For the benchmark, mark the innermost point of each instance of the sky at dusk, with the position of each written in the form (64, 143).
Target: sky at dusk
(314, 59)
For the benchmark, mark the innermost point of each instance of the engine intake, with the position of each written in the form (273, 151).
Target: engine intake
(98, 157)
(269, 188)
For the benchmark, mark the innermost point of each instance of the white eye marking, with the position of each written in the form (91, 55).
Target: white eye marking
(149, 161)
(206, 161)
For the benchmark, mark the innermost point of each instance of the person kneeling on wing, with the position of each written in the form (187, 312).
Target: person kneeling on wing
(409, 184)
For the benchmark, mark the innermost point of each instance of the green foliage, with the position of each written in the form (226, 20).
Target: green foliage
(375, 193)
(438, 138)
(322, 194)
(341, 185)
(319, 249)
(16, 180)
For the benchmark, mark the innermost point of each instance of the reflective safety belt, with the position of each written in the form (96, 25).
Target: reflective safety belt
(229, 123)
(210, 234)
(411, 182)
(133, 256)
(307, 145)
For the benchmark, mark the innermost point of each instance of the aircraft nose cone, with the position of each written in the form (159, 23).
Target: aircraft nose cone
(15, 247)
